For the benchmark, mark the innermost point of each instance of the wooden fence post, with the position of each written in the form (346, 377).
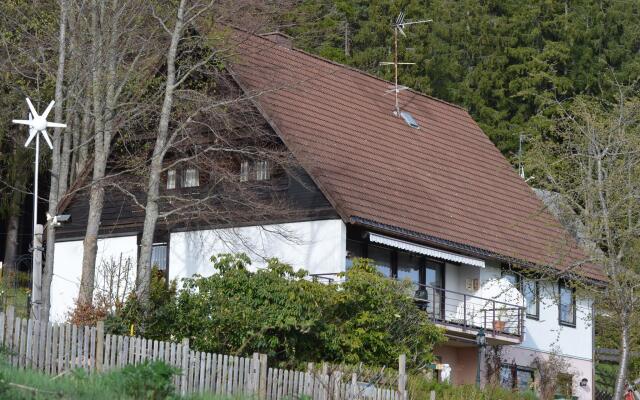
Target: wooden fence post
(184, 366)
(354, 385)
(255, 374)
(99, 346)
(263, 376)
(402, 376)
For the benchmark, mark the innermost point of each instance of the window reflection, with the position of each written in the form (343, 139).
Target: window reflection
(382, 259)
(409, 268)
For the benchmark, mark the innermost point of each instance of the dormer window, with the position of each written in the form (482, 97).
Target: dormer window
(190, 178)
(262, 170)
(171, 179)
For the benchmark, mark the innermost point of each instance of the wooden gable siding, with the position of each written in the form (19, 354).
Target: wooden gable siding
(121, 215)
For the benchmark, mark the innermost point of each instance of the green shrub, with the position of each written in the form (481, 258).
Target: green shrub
(149, 380)
(284, 314)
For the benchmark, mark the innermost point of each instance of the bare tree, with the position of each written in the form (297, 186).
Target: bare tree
(593, 163)
(119, 45)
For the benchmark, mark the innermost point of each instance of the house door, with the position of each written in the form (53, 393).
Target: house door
(434, 277)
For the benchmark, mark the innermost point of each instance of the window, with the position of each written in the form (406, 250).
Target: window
(382, 258)
(408, 118)
(354, 250)
(262, 170)
(516, 377)
(531, 293)
(190, 178)
(159, 256)
(171, 179)
(564, 388)
(409, 268)
(244, 171)
(567, 305)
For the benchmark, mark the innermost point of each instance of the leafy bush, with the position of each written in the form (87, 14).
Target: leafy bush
(157, 322)
(289, 317)
(149, 380)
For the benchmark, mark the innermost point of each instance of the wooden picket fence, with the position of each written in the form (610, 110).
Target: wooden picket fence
(56, 348)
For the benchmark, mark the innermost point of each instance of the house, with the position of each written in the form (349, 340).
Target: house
(426, 195)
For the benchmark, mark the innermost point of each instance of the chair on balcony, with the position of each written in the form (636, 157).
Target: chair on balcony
(421, 297)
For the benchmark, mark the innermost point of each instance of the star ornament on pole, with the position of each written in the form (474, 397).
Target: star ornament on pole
(39, 123)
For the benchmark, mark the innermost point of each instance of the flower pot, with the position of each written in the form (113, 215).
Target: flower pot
(498, 325)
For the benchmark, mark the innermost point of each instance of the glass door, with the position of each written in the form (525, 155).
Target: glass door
(434, 278)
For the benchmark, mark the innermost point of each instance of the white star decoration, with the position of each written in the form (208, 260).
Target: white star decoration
(39, 123)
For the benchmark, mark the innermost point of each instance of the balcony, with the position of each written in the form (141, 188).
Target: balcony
(463, 315)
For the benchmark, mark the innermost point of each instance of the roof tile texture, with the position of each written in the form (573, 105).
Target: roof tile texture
(446, 179)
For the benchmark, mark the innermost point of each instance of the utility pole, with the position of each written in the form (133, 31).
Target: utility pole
(37, 124)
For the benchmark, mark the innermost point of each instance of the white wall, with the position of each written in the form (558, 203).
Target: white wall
(546, 334)
(67, 269)
(317, 246)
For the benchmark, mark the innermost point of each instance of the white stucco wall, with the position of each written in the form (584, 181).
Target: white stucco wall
(317, 246)
(546, 334)
(67, 269)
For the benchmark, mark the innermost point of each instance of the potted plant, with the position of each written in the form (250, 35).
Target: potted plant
(499, 323)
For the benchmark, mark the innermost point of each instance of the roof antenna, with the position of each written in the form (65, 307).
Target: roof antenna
(523, 137)
(520, 163)
(399, 26)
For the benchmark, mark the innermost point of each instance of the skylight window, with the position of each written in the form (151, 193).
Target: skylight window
(408, 118)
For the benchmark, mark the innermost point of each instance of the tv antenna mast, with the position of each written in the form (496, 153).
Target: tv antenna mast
(399, 27)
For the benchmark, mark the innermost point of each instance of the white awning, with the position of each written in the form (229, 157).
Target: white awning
(428, 251)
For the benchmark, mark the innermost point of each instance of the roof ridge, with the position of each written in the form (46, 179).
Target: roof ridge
(345, 66)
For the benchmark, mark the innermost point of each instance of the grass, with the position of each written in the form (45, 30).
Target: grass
(16, 384)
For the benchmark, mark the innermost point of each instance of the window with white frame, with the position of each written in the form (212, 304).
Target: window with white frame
(262, 170)
(171, 179)
(190, 178)
(159, 256)
(244, 171)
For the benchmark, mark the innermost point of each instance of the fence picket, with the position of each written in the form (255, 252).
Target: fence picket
(2, 325)
(15, 345)
(54, 348)
(23, 342)
(10, 317)
(48, 348)
(92, 350)
(30, 343)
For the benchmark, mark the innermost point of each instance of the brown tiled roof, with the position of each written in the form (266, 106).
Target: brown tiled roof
(445, 180)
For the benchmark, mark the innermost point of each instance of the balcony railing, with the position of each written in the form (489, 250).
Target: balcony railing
(461, 311)
(470, 313)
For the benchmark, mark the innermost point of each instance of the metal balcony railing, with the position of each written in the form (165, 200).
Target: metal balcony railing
(460, 310)
(468, 312)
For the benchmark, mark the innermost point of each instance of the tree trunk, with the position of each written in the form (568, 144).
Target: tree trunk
(96, 195)
(143, 279)
(47, 275)
(624, 359)
(11, 244)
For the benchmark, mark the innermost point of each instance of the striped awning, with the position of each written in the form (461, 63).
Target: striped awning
(428, 251)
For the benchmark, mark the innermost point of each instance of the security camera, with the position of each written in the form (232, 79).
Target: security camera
(58, 220)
